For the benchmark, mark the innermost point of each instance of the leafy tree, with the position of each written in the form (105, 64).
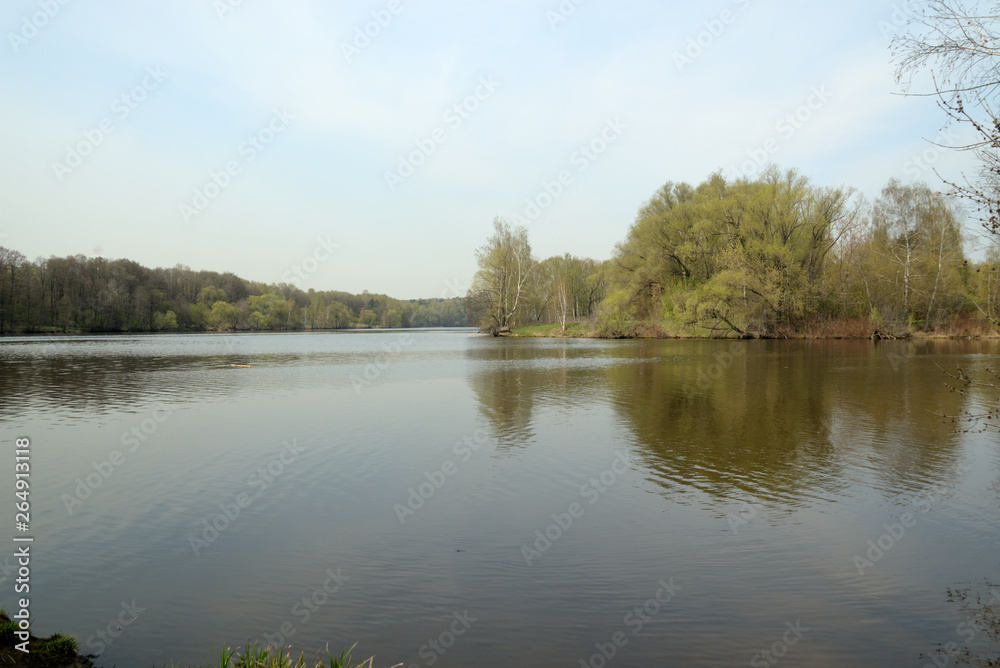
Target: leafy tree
(917, 242)
(95, 294)
(339, 316)
(393, 318)
(268, 311)
(165, 322)
(505, 268)
(745, 257)
(211, 294)
(224, 316)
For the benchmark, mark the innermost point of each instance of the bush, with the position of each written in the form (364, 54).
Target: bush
(613, 319)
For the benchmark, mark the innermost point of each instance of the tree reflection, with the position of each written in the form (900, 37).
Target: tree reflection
(750, 420)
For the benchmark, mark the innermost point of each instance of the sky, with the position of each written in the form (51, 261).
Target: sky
(370, 145)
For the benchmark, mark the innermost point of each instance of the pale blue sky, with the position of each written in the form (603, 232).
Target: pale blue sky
(222, 77)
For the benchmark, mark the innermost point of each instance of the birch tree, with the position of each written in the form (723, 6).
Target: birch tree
(505, 269)
(958, 43)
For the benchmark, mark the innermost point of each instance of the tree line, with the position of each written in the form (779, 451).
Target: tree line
(776, 255)
(81, 294)
(764, 257)
(511, 287)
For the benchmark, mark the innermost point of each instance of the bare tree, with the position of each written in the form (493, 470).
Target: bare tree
(958, 41)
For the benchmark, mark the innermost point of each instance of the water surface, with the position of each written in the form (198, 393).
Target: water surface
(737, 482)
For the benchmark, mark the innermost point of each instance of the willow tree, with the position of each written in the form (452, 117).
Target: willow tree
(505, 269)
(674, 241)
(743, 257)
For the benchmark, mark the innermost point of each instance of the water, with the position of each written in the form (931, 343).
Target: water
(723, 489)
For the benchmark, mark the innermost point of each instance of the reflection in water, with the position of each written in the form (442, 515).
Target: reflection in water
(514, 378)
(826, 443)
(77, 377)
(768, 420)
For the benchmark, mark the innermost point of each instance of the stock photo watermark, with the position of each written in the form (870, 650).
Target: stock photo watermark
(455, 117)
(634, 621)
(310, 264)
(901, 15)
(304, 609)
(438, 478)
(779, 648)
(879, 547)
(122, 108)
(786, 128)
(437, 647)
(106, 636)
(248, 150)
(980, 618)
(452, 288)
(32, 25)
(721, 363)
(744, 516)
(259, 480)
(374, 370)
(921, 163)
(897, 360)
(582, 159)
(592, 491)
(562, 12)
(139, 434)
(700, 43)
(225, 7)
(371, 30)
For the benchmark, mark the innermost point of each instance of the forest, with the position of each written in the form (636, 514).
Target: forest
(775, 255)
(80, 294)
(772, 256)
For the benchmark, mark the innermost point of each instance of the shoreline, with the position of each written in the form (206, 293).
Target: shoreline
(654, 331)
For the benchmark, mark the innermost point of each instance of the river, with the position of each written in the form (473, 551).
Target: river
(448, 500)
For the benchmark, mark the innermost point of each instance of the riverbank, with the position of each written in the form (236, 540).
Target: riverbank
(859, 329)
(56, 651)
(60, 651)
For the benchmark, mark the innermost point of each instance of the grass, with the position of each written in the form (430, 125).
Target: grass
(962, 327)
(575, 330)
(258, 656)
(7, 628)
(57, 643)
(56, 648)
(590, 330)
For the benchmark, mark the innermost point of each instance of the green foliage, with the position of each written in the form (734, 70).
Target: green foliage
(59, 644)
(512, 288)
(907, 259)
(765, 257)
(165, 322)
(499, 294)
(393, 318)
(257, 656)
(211, 294)
(223, 317)
(269, 311)
(7, 629)
(613, 320)
(98, 295)
(744, 257)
